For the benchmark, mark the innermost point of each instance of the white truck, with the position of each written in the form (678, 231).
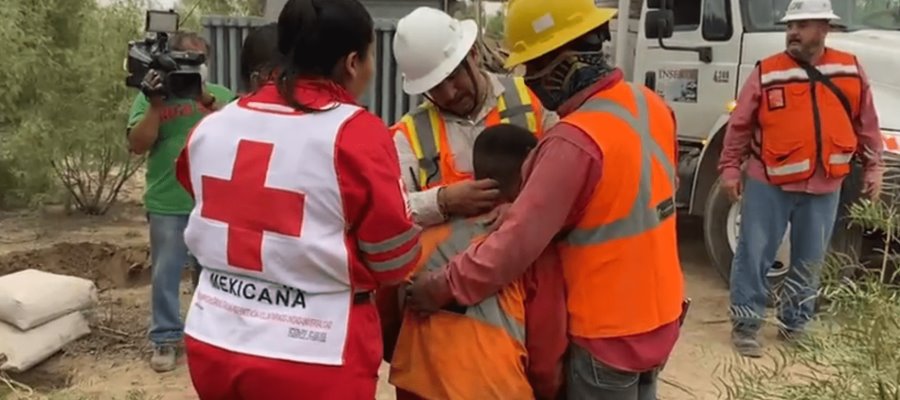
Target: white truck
(697, 53)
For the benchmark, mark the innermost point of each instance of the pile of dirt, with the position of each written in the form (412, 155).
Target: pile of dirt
(108, 265)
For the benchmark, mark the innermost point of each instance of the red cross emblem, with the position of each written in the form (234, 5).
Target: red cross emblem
(249, 207)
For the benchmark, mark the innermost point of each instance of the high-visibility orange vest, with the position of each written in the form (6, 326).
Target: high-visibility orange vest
(803, 124)
(620, 261)
(452, 356)
(426, 131)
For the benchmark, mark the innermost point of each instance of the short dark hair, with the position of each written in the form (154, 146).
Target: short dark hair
(259, 53)
(181, 38)
(314, 36)
(499, 153)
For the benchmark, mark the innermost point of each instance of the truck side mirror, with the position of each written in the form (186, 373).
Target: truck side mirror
(661, 4)
(659, 24)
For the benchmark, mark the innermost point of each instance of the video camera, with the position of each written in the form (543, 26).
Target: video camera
(180, 71)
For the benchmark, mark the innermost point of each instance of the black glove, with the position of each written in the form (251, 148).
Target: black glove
(152, 85)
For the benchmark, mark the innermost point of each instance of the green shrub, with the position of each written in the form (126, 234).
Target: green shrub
(63, 119)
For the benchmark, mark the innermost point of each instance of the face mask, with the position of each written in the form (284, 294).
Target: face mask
(566, 76)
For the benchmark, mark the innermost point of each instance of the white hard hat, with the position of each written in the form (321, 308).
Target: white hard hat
(809, 9)
(429, 45)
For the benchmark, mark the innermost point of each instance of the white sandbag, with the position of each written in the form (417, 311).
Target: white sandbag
(29, 298)
(25, 349)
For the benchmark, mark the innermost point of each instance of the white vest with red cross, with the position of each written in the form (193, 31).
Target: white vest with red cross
(268, 229)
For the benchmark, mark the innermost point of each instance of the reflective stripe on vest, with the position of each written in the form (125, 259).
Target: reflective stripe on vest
(643, 215)
(425, 126)
(515, 105)
(462, 233)
(799, 74)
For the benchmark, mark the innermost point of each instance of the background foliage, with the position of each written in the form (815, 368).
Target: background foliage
(64, 108)
(64, 104)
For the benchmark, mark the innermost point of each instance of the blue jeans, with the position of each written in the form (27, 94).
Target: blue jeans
(168, 257)
(588, 378)
(765, 213)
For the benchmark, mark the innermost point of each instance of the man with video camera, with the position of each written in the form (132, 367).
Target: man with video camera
(159, 124)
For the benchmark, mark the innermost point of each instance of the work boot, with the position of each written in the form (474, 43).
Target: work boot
(746, 344)
(163, 359)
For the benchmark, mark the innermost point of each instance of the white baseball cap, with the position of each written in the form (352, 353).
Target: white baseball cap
(809, 9)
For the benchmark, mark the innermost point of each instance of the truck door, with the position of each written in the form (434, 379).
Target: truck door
(697, 91)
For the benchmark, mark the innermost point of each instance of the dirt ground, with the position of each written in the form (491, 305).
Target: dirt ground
(111, 363)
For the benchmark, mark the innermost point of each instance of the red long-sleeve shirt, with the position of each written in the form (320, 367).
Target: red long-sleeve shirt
(546, 323)
(560, 178)
(372, 195)
(742, 126)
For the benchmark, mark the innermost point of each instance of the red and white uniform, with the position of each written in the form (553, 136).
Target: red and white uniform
(297, 218)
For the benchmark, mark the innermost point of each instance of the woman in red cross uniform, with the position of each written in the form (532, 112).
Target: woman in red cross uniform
(299, 216)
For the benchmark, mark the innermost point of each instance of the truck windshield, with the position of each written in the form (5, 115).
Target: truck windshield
(765, 15)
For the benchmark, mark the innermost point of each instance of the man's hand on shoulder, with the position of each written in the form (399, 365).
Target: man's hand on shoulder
(428, 292)
(469, 197)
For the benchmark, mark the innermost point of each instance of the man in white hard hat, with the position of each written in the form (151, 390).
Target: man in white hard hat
(801, 118)
(437, 56)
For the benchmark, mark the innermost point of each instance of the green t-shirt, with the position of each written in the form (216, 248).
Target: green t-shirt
(163, 194)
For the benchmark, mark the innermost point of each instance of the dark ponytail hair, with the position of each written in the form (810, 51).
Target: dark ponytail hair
(259, 53)
(314, 36)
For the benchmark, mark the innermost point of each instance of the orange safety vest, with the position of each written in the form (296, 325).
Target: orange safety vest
(426, 131)
(803, 123)
(477, 355)
(620, 261)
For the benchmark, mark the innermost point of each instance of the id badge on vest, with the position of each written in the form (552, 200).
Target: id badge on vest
(775, 98)
(259, 318)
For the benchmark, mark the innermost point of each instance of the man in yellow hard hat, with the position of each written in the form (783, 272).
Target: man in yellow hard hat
(600, 186)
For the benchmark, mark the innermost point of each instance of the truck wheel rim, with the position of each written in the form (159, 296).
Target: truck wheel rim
(733, 225)
(733, 229)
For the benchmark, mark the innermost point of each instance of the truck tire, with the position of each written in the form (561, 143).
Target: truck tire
(845, 238)
(720, 221)
(715, 231)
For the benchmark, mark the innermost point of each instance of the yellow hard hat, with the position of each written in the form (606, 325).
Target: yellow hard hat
(537, 27)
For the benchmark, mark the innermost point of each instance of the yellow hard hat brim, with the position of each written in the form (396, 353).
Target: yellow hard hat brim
(560, 38)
